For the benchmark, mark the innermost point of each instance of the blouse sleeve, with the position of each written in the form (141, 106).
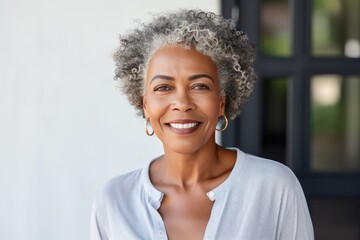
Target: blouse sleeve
(96, 223)
(297, 224)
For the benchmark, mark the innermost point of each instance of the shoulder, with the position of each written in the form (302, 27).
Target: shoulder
(272, 181)
(268, 168)
(120, 188)
(116, 206)
(268, 172)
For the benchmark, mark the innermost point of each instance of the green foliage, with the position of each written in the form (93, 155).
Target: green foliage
(278, 45)
(328, 120)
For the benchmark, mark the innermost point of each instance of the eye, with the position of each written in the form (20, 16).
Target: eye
(200, 86)
(162, 88)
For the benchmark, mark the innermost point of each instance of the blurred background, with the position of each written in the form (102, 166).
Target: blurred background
(305, 111)
(65, 128)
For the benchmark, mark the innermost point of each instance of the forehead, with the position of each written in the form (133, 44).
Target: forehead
(174, 58)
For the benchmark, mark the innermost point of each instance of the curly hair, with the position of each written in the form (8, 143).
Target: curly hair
(209, 34)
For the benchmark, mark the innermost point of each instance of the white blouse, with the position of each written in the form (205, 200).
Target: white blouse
(261, 199)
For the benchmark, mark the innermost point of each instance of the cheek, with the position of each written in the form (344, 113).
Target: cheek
(211, 106)
(155, 106)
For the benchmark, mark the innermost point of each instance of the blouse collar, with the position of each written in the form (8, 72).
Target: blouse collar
(156, 196)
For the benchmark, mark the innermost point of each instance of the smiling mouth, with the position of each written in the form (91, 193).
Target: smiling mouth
(183, 125)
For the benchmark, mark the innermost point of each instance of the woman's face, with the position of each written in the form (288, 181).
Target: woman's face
(182, 98)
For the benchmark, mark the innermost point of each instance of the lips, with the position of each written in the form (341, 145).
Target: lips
(183, 126)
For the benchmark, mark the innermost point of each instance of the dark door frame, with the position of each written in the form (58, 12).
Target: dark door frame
(245, 131)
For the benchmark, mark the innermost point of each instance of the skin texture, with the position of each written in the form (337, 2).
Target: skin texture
(182, 85)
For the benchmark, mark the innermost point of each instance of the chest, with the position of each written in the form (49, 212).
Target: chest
(230, 216)
(185, 216)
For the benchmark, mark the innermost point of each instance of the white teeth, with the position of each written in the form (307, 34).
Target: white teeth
(185, 125)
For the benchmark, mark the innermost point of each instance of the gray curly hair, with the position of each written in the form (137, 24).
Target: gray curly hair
(208, 33)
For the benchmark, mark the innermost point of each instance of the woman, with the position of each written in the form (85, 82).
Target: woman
(186, 73)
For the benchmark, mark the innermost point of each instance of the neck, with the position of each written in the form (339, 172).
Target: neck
(188, 169)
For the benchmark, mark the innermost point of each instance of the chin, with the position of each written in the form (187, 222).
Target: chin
(181, 148)
(184, 147)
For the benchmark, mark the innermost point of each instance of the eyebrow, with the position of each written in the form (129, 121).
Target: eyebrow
(192, 77)
(162, 77)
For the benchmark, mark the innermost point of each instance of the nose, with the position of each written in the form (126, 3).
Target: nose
(182, 101)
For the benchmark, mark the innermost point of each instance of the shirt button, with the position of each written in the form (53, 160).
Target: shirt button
(211, 196)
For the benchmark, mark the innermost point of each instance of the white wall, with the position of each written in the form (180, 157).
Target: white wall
(64, 127)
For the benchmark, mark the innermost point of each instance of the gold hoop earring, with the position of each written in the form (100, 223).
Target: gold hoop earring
(226, 124)
(147, 122)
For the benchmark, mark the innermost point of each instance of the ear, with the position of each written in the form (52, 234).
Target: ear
(222, 105)
(144, 100)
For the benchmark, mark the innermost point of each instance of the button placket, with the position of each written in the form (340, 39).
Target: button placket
(209, 232)
(211, 195)
(159, 226)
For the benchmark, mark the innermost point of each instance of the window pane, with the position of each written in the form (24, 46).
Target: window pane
(274, 119)
(335, 28)
(275, 28)
(335, 113)
(335, 219)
